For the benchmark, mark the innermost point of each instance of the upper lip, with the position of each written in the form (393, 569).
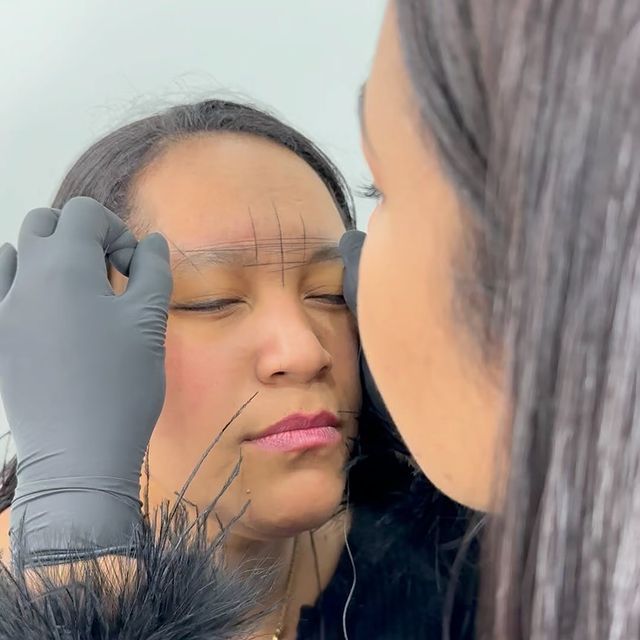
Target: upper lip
(299, 421)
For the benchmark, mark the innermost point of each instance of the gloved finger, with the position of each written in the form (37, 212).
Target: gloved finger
(350, 248)
(8, 266)
(150, 276)
(121, 259)
(37, 224)
(86, 223)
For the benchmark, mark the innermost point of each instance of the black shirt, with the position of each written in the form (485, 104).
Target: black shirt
(403, 562)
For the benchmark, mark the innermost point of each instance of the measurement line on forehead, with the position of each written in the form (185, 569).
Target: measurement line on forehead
(304, 237)
(275, 210)
(244, 253)
(255, 236)
(274, 240)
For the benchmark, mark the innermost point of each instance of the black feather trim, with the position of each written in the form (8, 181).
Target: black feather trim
(177, 587)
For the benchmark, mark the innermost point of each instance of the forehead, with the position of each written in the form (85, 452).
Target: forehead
(223, 187)
(387, 107)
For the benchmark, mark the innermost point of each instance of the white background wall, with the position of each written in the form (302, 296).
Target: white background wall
(71, 70)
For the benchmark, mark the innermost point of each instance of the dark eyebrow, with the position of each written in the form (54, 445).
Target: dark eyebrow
(325, 253)
(243, 254)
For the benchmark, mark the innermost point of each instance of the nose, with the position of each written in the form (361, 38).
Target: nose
(290, 350)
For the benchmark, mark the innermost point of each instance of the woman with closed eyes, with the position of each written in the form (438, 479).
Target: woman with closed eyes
(249, 417)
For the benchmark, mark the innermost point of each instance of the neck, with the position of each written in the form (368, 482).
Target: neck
(295, 585)
(317, 556)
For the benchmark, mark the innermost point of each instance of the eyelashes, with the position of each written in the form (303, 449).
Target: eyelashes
(227, 304)
(208, 306)
(335, 299)
(369, 190)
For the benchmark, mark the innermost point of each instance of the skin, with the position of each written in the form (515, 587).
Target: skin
(446, 401)
(242, 217)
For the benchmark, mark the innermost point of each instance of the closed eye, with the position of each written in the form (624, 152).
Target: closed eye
(207, 306)
(336, 299)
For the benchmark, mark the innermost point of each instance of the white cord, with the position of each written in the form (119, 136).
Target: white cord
(353, 567)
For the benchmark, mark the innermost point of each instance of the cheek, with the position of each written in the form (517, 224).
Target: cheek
(401, 300)
(188, 368)
(197, 377)
(388, 302)
(440, 395)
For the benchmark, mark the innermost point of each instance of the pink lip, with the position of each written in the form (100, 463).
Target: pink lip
(299, 431)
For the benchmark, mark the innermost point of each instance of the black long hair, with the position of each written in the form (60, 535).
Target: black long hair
(535, 110)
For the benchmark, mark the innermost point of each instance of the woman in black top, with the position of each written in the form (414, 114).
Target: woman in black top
(498, 300)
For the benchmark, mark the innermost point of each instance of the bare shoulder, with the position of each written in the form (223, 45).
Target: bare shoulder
(4, 535)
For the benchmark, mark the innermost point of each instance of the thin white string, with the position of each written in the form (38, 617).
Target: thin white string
(355, 575)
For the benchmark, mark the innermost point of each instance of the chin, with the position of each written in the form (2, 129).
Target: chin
(301, 501)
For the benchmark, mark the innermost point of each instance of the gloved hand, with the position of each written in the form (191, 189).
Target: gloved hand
(351, 248)
(81, 375)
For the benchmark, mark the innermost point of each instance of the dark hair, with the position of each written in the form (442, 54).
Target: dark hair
(108, 168)
(535, 111)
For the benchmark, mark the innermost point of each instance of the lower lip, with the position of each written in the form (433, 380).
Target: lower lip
(299, 440)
